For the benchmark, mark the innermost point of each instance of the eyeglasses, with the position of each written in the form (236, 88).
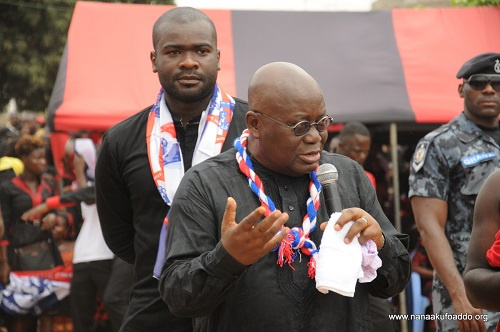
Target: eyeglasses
(301, 128)
(480, 81)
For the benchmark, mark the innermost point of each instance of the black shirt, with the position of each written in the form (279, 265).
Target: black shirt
(200, 279)
(131, 212)
(187, 139)
(492, 132)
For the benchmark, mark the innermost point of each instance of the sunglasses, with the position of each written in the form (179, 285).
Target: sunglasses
(301, 128)
(480, 81)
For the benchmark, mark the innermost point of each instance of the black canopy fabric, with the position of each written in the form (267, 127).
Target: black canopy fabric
(379, 66)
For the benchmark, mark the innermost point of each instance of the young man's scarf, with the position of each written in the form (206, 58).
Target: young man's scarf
(164, 152)
(298, 238)
(493, 254)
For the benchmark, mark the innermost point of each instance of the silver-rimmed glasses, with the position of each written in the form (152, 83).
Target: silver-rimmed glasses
(301, 128)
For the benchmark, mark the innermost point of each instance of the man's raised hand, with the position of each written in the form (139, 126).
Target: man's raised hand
(250, 240)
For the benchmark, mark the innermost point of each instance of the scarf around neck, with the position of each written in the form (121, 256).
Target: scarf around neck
(164, 152)
(298, 238)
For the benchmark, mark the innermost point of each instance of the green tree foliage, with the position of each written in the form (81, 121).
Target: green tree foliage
(475, 2)
(32, 38)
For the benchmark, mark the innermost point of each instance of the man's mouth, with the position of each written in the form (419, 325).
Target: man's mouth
(311, 157)
(488, 103)
(189, 80)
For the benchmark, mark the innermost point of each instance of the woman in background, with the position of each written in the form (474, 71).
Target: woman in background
(27, 246)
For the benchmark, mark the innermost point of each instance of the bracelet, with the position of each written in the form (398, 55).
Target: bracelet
(383, 242)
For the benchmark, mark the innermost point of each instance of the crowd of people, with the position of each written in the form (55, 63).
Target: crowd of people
(51, 238)
(205, 212)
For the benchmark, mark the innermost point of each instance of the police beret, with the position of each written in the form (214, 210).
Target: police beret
(486, 63)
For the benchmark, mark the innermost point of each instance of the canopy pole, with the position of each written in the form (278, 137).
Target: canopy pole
(397, 209)
(395, 175)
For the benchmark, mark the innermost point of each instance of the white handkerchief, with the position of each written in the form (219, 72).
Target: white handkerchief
(339, 265)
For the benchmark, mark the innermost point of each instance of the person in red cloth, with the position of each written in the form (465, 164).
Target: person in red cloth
(482, 274)
(21, 240)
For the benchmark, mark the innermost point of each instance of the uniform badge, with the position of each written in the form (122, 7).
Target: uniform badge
(475, 159)
(419, 156)
(497, 66)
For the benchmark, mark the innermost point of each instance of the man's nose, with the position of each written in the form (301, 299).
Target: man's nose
(189, 61)
(313, 135)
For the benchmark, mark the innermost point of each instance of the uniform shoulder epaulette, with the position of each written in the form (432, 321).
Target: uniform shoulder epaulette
(423, 145)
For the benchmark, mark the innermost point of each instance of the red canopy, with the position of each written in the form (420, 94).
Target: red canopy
(379, 66)
(106, 66)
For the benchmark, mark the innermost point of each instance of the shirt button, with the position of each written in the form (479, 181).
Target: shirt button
(235, 275)
(286, 188)
(290, 207)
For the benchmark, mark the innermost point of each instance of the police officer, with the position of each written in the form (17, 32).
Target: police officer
(448, 168)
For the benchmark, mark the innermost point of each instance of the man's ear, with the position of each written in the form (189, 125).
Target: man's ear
(253, 123)
(152, 56)
(461, 90)
(218, 59)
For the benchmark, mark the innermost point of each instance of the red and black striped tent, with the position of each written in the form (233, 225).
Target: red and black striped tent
(379, 66)
(376, 66)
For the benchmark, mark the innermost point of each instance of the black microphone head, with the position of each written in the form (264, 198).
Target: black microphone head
(327, 173)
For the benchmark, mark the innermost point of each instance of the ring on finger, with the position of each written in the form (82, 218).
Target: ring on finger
(364, 219)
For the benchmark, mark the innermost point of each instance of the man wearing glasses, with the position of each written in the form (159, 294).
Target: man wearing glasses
(244, 226)
(448, 168)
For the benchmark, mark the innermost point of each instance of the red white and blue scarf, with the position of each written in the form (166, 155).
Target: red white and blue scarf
(35, 292)
(164, 152)
(298, 238)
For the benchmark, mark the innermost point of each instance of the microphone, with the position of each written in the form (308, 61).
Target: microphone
(328, 176)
